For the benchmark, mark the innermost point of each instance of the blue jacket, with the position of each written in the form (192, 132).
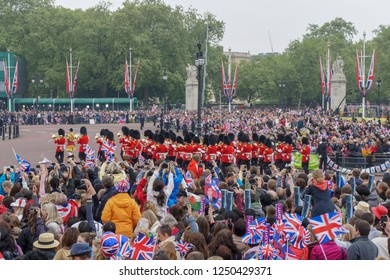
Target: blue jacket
(3, 178)
(176, 183)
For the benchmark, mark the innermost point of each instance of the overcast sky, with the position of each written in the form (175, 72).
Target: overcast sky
(248, 22)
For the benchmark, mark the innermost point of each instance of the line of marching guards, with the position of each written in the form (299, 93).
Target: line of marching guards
(224, 149)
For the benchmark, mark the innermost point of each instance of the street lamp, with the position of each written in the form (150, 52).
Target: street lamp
(282, 85)
(36, 79)
(165, 78)
(199, 62)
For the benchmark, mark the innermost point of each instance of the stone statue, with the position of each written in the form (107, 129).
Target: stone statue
(191, 72)
(338, 66)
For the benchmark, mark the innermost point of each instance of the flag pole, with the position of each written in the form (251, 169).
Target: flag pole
(323, 252)
(205, 64)
(9, 82)
(130, 82)
(328, 78)
(363, 59)
(71, 82)
(229, 80)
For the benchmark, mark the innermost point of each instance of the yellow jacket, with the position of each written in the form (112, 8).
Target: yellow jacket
(122, 210)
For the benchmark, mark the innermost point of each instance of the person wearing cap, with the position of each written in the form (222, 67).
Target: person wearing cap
(122, 210)
(70, 138)
(60, 145)
(46, 244)
(80, 251)
(381, 214)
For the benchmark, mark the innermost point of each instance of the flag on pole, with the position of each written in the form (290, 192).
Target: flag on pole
(15, 81)
(359, 74)
(328, 74)
(6, 80)
(75, 78)
(225, 86)
(68, 85)
(109, 150)
(322, 78)
(234, 87)
(370, 77)
(127, 79)
(24, 165)
(134, 80)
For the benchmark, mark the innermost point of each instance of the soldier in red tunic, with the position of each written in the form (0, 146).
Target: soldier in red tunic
(305, 151)
(60, 142)
(188, 150)
(211, 151)
(124, 140)
(172, 146)
(279, 151)
(262, 147)
(99, 140)
(268, 154)
(161, 150)
(246, 151)
(83, 141)
(255, 149)
(227, 154)
(287, 150)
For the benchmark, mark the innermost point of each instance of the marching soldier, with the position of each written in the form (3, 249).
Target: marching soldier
(83, 141)
(279, 151)
(287, 150)
(124, 140)
(99, 140)
(60, 141)
(305, 151)
(246, 151)
(268, 154)
(255, 149)
(227, 154)
(262, 148)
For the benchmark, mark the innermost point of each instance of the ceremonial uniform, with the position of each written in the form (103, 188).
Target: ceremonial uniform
(60, 142)
(82, 141)
(305, 151)
(70, 146)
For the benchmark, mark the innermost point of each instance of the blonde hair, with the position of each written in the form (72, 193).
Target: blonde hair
(150, 206)
(351, 233)
(99, 254)
(169, 247)
(113, 168)
(150, 216)
(88, 237)
(52, 213)
(318, 176)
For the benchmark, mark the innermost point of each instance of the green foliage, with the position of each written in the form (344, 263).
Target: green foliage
(159, 35)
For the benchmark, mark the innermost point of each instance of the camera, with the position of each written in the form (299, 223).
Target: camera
(383, 220)
(230, 173)
(288, 169)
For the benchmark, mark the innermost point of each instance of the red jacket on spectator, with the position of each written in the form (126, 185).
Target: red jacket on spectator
(195, 168)
(140, 195)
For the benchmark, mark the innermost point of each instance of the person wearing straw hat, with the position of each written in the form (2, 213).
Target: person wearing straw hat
(46, 244)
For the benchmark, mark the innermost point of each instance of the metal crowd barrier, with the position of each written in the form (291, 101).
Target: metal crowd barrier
(352, 160)
(9, 131)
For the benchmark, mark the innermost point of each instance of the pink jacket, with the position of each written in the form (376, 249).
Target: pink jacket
(332, 252)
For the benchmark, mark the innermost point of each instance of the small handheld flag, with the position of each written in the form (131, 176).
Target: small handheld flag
(297, 196)
(229, 201)
(247, 199)
(224, 193)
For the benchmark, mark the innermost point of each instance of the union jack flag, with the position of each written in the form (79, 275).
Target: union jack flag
(251, 238)
(6, 79)
(89, 152)
(188, 179)
(124, 248)
(67, 210)
(282, 246)
(110, 245)
(142, 247)
(183, 247)
(327, 226)
(291, 230)
(359, 72)
(370, 78)
(267, 252)
(75, 78)
(122, 186)
(15, 81)
(225, 85)
(258, 226)
(24, 165)
(109, 150)
(234, 88)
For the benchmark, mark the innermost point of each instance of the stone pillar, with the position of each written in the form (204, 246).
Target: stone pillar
(338, 86)
(191, 88)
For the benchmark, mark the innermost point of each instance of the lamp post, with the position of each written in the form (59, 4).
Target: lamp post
(199, 62)
(165, 78)
(37, 80)
(282, 85)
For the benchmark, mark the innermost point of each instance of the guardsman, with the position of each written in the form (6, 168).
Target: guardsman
(268, 154)
(246, 151)
(60, 141)
(262, 148)
(305, 152)
(83, 141)
(99, 140)
(227, 154)
(279, 152)
(287, 151)
(255, 149)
